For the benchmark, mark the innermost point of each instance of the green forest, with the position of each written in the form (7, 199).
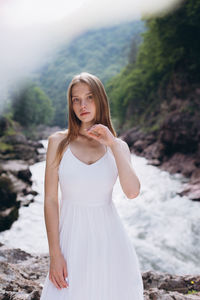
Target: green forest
(31, 105)
(169, 55)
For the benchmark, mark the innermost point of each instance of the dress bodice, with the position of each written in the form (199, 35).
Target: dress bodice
(85, 184)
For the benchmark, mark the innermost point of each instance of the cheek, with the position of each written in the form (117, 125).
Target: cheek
(74, 108)
(75, 111)
(94, 108)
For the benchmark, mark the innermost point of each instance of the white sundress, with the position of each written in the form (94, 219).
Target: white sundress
(102, 263)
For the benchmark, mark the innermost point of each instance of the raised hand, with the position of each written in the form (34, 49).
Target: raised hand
(101, 133)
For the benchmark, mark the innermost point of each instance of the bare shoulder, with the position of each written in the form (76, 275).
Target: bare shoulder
(58, 135)
(124, 146)
(123, 143)
(53, 142)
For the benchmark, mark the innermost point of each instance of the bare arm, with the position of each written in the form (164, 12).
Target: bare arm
(58, 265)
(51, 208)
(128, 179)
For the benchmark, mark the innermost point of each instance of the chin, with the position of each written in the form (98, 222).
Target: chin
(88, 119)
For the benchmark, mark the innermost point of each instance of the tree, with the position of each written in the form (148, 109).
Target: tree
(31, 106)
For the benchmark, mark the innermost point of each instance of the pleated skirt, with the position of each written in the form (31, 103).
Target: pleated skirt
(102, 263)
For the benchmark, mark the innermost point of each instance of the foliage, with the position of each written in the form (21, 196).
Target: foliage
(6, 124)
(193, 292)
(5, 147)
(170, 45)
(31, 106)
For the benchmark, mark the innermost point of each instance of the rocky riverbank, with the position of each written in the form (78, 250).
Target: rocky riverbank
(17, 153)
(22, 276)
(175, 148)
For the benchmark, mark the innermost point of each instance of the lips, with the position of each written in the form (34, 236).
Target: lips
(84, 113)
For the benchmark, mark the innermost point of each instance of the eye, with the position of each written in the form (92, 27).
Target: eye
(75, 100)
(90, 97)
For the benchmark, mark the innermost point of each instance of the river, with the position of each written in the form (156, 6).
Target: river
(163, 227)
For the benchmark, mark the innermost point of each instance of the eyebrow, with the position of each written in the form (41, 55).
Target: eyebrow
(86, 94)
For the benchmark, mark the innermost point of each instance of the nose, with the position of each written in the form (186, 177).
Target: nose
(83, 103)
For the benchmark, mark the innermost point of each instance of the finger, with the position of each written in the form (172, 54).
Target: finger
(56, 283)
(98, 131)
(65, 274)
(67, 281)
(93, 135)
(95, 131)
(62, 281)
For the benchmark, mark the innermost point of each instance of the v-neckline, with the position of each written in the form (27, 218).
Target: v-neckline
(88, 165)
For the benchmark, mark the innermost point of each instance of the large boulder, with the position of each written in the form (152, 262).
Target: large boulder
(8, 203)
(15, 190)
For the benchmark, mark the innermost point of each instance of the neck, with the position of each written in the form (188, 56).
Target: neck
(83, 127)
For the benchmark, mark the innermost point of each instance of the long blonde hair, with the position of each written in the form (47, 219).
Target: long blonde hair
(102, 109)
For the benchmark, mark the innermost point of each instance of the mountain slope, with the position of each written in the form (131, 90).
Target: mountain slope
(102, 52)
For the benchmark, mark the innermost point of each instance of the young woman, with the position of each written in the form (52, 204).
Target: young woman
(91, 256)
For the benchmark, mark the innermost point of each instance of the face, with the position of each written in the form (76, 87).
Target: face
(83, 102)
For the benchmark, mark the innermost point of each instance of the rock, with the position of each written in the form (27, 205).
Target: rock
(16, 154)
(28, 191)
(25, 152)
(15, 191)
(175, 135)
(7, 194)
(18, 184)
(35, 295)
(13, 256)
(139, 146)
(154, 162)
(155, 294)
(8, 216)
(27, 200)
(179, 163)
(25, 175)
(22, 149)
(8, 203)
(13, 166)
(154, 151)
(174, 147)
(14, 139)
(166, 286)
(42, 132)
(133, 135)
(37, 145)
(191, 190)
(41, 151)
(22, 276)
